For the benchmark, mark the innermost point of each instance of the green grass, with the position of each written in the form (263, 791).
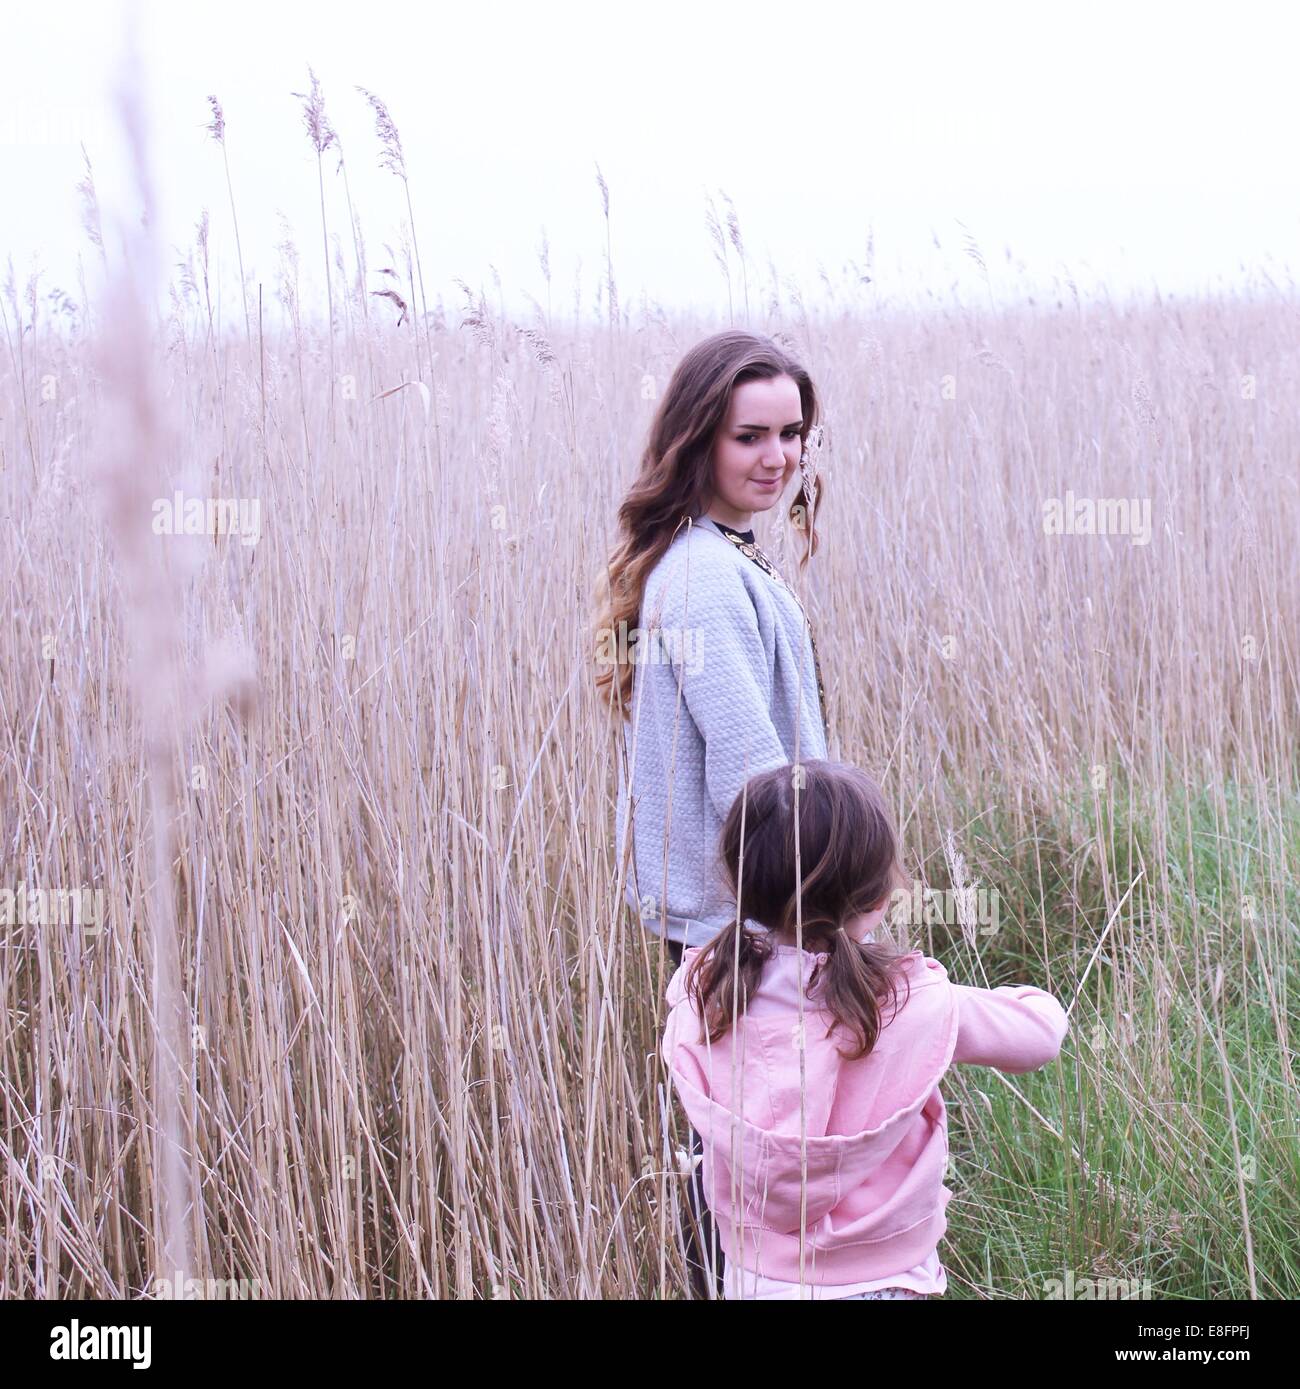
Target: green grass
(1142, 1181)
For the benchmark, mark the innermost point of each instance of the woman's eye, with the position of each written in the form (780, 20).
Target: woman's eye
(749, 438)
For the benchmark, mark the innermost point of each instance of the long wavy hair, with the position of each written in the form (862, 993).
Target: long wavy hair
(675, 483)
(850, 864)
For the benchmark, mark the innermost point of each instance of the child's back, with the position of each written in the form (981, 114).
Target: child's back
(876, 1127)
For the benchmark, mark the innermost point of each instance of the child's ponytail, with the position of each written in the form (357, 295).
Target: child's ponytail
(856, 978)
(726, 973)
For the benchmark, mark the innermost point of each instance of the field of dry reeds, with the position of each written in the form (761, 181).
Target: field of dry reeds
(350, 1005)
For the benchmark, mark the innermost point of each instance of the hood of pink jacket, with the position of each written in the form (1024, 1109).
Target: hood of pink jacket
(874, 1142)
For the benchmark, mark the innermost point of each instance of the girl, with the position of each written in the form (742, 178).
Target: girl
(844, 1136)
(705, 656)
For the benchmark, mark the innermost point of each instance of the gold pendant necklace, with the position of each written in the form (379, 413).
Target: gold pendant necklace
(750, 549)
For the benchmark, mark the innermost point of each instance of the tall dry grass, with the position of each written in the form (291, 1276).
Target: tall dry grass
(422, 1030)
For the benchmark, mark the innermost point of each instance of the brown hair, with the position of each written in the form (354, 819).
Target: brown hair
(675, 482)
(850, 865)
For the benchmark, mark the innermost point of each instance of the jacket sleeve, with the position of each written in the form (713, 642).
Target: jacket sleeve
(723, 673)
(678, 1050)
(1014, 1028)
(668, 1042)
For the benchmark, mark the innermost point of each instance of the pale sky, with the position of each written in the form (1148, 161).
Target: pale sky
(1125, 144)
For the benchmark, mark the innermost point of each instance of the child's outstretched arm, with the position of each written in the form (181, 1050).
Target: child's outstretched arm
(1014, 1028)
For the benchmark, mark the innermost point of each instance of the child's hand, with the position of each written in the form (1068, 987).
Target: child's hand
(687, 1162)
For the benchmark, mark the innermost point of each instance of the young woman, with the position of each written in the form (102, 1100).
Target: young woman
(705, 656)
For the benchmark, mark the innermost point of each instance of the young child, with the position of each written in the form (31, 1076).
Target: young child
(879, 1030)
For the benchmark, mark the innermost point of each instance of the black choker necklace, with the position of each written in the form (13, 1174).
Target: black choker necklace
(746, 536)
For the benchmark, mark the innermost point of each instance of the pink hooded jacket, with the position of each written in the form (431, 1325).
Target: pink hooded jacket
(877, 1129)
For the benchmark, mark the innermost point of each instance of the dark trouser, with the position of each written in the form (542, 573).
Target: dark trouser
(697, 1220)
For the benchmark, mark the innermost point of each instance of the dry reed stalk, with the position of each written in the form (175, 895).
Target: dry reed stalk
(139, 439)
